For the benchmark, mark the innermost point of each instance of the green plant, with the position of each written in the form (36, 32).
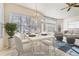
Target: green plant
(10, 29)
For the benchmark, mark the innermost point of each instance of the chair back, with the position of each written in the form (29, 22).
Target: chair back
(18, 43)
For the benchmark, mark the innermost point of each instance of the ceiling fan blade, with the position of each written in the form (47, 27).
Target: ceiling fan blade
(68, 4)
(64, 8)
(76, 6)
(71, 4)
(68, 9)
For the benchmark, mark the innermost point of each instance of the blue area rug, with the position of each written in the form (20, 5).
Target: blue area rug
(67, 48)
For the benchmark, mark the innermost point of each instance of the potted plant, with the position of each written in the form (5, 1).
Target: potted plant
(10, 30)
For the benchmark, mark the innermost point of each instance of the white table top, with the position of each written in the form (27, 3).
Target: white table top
(39, 37)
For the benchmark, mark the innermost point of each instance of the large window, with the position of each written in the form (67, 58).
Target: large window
(28, 24)
(24, 23)
(49, 24)
(74, 25)
(50, 27)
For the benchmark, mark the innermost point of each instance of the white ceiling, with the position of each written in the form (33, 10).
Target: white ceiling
(53, 9)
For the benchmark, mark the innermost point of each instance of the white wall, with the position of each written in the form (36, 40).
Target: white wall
(1, 21)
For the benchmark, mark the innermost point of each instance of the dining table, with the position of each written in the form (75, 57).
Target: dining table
(36, 39)
(39, 37)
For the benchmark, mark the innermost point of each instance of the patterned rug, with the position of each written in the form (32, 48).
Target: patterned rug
(67, 48)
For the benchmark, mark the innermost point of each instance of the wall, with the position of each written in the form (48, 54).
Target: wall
(10, 8)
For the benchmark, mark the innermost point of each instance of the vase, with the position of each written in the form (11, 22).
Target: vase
(10, 42)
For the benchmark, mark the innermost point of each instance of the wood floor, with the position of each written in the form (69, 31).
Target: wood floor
(44, 52)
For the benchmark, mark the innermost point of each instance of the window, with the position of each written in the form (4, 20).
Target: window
(24, 23)
(1, 30)
(50, 27)
(74, 25)
(49, 24)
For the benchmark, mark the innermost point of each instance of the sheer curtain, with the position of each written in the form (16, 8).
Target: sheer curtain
(1, 20)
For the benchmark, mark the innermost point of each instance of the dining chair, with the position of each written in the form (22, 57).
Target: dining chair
(19, 46)
(49, 43)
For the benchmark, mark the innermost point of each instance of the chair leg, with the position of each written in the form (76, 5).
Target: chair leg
(40, 47)
(18, 54)
(50, 50)
(32, 48)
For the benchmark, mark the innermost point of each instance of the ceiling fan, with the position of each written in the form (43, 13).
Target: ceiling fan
(70, 5)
